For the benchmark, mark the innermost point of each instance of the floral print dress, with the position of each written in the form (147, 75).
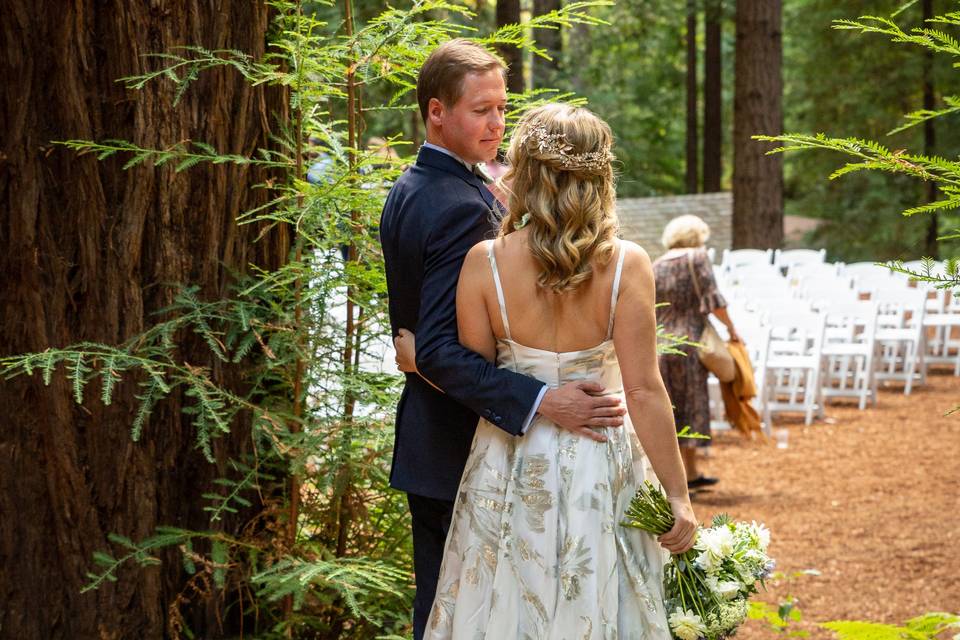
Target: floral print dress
(684, 315)
(535, 550)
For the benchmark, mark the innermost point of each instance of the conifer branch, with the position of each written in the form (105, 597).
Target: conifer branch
(181, 152)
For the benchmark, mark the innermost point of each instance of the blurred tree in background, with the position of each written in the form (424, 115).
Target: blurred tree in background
(845, 86)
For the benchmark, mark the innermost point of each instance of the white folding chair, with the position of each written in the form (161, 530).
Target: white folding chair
(756, 338)
(763, 275)
(796, 272)
(792, 365)
(849, 348)
(786, 259)
(900, 335)
(821, 290)
(869, 276)
(941, 319)
(736, 258)
(761, 299)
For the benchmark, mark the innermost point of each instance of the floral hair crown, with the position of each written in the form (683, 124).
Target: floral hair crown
(556, 144)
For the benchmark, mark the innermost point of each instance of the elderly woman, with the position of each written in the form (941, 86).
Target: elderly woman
(685, 314)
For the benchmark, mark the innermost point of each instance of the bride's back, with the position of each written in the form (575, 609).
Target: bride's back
(539, 318)
(562, 199)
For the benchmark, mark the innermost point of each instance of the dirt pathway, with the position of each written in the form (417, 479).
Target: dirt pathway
(870, 499)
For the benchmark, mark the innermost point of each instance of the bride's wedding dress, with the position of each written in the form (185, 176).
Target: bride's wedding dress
(535, 550)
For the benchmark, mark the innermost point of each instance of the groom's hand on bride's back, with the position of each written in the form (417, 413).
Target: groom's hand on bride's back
(577, 407)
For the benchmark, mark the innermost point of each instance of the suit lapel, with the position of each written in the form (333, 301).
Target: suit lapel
(443, 162)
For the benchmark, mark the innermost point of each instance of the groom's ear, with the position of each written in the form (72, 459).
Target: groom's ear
(435, 110)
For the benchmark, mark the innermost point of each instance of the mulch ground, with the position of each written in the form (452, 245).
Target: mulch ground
(869, 499)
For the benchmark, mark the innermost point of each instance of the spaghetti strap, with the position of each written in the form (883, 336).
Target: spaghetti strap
(496, 281)
(615, 291)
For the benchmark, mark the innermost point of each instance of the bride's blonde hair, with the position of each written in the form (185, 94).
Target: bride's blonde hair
(561, 187)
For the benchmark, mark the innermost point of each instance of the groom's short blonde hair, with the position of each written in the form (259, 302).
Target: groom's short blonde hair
(442, 74)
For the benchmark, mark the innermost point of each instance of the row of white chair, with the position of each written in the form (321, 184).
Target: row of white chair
(833, 281)
(780, 258)
(808, 344)
(876, 325)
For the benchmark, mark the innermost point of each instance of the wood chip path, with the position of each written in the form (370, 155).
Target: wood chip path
(870, 499)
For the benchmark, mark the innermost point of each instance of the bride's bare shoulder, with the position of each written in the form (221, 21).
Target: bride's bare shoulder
(635, 256)
(477, 255)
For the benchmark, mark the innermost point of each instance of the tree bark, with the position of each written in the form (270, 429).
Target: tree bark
(932, 248)
(508, 12)
(693, 142)
(88, 252)
(713, 98)
(757, 109)
(550, 40)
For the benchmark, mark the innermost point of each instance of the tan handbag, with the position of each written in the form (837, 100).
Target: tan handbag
(712, 351)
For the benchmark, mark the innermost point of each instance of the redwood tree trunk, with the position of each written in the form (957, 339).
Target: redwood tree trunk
(713, 98)
(508, 12)
(88, 252)
(693, 141)
(758, 94)
(549, 39)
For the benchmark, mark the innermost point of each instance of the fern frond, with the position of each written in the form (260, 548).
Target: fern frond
(136, 552)
(860, 630)
(923, 115)
(223, 503)
(351, 579)
(77, 373)
(939, 205)
(152, 391)
(109, 376)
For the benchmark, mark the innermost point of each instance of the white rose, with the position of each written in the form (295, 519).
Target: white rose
(728, 589)
(763, 534)
(718, 541)
(686, 625)
(707, 561)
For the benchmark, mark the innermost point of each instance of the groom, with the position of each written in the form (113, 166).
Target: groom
(434, 213)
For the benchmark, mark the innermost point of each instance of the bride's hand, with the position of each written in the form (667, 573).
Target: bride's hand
(681, 537)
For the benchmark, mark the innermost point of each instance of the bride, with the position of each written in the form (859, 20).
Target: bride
(535, 548)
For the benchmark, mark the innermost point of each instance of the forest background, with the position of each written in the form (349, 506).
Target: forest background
(198, 449)
(635, 72)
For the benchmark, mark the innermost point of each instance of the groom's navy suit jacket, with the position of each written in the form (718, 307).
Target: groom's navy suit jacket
(434, 214)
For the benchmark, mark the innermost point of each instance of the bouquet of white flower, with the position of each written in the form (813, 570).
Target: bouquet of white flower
(707, 587)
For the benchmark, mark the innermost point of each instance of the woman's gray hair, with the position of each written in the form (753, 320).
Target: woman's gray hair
(684, 232)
